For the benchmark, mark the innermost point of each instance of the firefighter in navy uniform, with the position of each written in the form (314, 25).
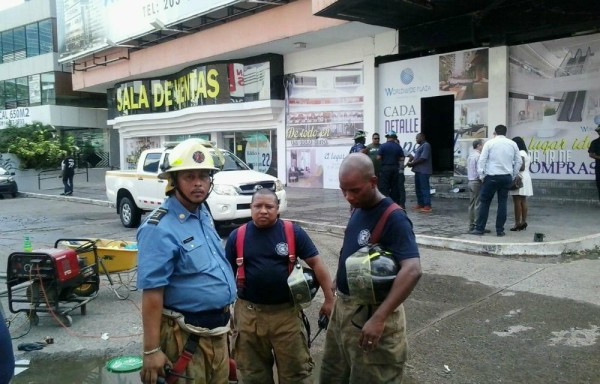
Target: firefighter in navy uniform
(187, 283)
(269, 328)
(366, 340)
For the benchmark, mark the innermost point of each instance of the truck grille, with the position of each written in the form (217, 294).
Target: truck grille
(249, 189)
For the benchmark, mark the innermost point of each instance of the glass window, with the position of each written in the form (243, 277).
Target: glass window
(8, 47)
(22, 91)
(10, 94)
(35, 92)
(46, 41)
(151, 162)
(19, 43)
(33, 42)
(2, 95)
(48, 91)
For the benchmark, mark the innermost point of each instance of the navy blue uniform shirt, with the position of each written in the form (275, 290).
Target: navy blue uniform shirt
(397, 237)
(266, 261)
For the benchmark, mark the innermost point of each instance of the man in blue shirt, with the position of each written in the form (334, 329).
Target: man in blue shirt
(186, 280)
(269, 328)
(421, 164)
(391, 156)
(7, 359)
(365, 346)
(359, 142)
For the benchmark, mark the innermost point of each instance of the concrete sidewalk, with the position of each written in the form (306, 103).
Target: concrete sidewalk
(566, 227)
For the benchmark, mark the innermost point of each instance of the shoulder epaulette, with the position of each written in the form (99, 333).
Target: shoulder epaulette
(157, 215)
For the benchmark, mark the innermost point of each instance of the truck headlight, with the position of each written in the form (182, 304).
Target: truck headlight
(223, 189)
(278, 185)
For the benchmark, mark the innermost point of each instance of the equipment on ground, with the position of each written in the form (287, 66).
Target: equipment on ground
(46, 280)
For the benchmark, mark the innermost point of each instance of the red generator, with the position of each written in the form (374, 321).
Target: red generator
(49, 280)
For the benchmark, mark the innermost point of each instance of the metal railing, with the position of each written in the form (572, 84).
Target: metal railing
(45, 174)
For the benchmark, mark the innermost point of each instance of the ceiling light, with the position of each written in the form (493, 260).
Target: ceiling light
(300, 45)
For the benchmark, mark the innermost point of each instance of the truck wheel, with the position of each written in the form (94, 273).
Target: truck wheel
(130, 214)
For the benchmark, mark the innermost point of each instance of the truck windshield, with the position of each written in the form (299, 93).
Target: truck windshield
(232, 162)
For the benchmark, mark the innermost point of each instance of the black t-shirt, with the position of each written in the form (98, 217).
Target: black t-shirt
(266, 261)
(397, 236)
(390, 153)
(595, 148)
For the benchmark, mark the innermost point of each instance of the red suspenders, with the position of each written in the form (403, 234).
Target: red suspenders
(239, 248)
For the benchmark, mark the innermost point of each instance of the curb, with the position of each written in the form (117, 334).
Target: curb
(550, 248)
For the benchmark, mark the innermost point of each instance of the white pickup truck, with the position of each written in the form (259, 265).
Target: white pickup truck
(136, 192)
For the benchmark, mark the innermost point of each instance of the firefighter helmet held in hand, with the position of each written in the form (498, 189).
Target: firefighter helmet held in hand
(371, 272)
(303, 285)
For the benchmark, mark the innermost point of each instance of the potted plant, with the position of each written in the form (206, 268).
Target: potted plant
(547, 128)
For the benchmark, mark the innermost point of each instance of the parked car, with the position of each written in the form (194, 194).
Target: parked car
(8, 183)
(136, 192)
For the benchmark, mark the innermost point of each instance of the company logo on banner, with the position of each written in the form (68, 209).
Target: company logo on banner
(407, 76)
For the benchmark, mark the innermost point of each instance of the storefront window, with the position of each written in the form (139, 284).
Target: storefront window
(22, 91)
(258, 149)
(10, 93)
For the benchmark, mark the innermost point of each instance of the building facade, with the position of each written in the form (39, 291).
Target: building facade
(34, 87)
(337, 77)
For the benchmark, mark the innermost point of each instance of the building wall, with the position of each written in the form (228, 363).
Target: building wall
(28, 12)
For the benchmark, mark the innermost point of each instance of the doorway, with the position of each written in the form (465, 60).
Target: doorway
(437, 123)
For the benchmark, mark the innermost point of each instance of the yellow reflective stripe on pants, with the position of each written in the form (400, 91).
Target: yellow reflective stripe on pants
(268, 334)
(344, 362)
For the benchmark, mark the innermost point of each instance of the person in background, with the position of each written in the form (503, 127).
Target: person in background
(372, 150)
(594, 152)
(422, 166)
(67, 168)
(187, 283)
(359, 142)
(376, 350)
(497, 166)
(391, 156)
(401, 180)
(519, 196)
(7, 358)
(474, 182)
(269, 329)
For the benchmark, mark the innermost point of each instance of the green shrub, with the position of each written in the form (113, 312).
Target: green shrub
(37, 146)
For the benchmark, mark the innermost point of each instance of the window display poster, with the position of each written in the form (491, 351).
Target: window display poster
(554, 104)
(258, 152)
(135, 146)
(325, 109)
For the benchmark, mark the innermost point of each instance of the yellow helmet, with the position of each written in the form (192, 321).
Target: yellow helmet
(191, 154)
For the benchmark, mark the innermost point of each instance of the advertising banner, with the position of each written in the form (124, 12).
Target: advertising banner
(554, 104)
(402, 85)
(203, 84)
(325, 110)
(86, 26)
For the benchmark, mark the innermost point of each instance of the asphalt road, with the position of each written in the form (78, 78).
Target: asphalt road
(471, 319)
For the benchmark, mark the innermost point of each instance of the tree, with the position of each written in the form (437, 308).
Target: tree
(37, 145)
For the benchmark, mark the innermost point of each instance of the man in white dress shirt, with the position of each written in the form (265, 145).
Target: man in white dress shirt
(498, 165)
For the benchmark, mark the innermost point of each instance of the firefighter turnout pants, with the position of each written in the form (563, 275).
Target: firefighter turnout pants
(344, 361)
(210, 363)
(265, 334)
